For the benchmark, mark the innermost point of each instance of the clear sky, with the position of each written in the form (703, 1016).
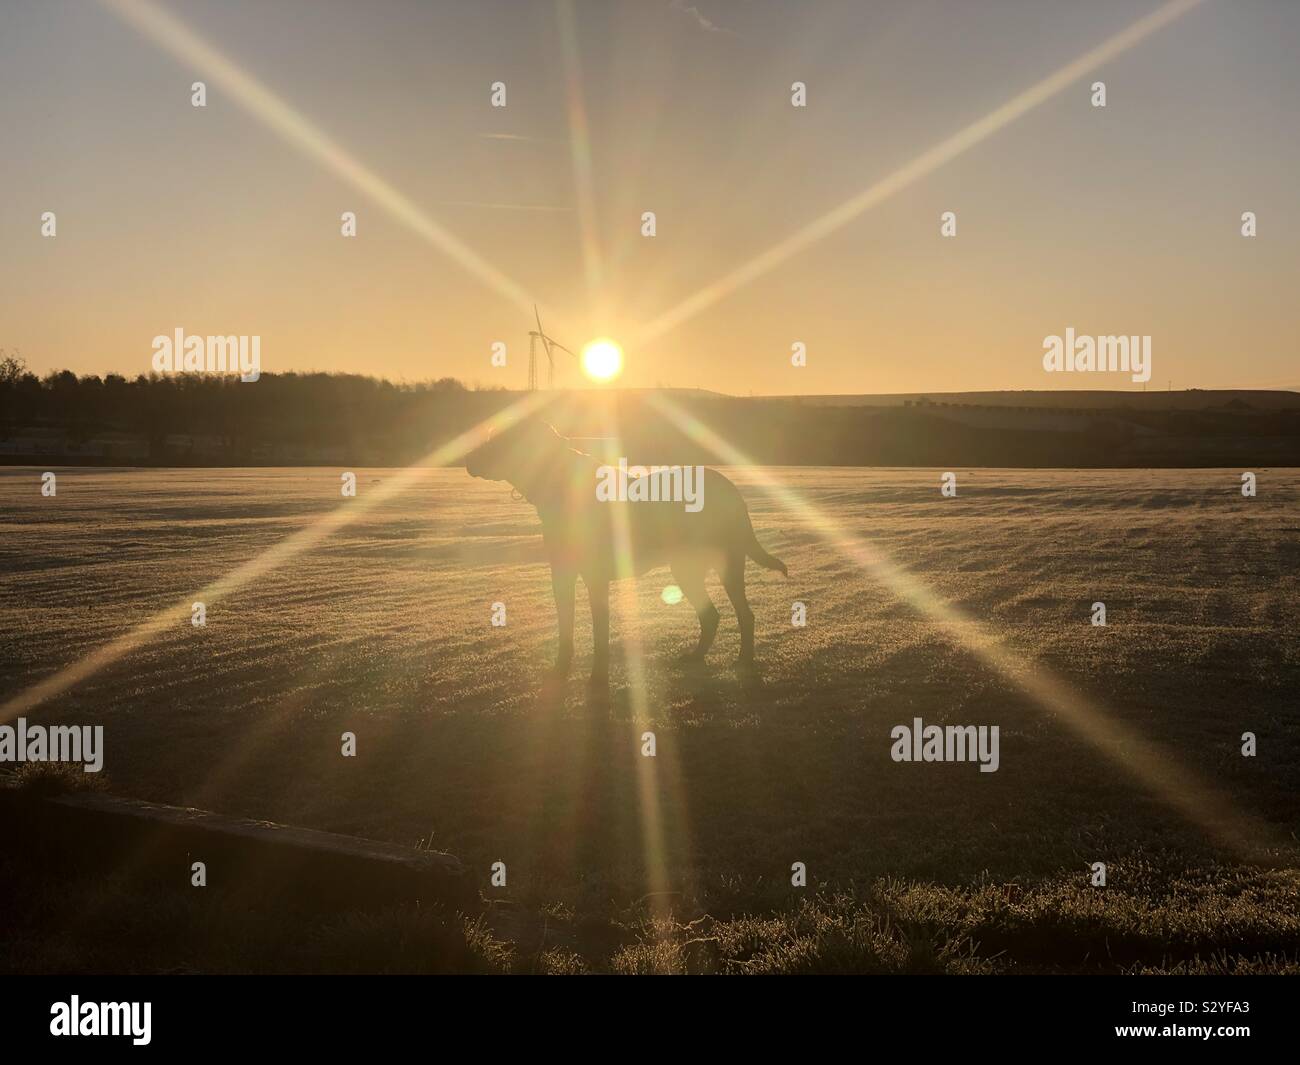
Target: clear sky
(226, 219)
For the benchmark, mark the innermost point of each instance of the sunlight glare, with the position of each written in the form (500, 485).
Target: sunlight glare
(602, 360)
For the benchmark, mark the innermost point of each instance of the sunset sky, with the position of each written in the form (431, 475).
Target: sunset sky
(226, 219)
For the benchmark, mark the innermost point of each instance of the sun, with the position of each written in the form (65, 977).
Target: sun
(602, 359)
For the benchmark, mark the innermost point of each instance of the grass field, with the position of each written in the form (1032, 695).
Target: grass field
(682, 861)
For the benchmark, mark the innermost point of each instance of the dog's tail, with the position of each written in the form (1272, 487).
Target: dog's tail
(756, 552)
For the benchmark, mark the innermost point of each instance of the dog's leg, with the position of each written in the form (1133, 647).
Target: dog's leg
(733, 579)
(690, 578)
(598, 593)
(563, 583)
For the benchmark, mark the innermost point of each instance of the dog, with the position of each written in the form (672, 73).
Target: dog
(601, 541)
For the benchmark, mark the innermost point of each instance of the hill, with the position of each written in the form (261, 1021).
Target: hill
(349, 420)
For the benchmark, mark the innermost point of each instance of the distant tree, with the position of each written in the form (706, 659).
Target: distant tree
(12, 367)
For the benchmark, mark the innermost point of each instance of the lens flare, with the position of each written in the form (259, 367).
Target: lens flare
(602, 360)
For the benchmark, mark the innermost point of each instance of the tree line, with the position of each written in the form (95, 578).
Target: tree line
(369, 414)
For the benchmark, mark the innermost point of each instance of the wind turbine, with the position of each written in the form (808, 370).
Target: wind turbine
(548, 343)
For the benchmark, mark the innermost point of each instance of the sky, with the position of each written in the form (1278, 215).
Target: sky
(225, 219)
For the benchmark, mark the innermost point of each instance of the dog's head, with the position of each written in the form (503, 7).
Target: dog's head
(523, 454)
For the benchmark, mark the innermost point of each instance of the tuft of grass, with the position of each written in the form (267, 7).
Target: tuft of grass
(558, 962)
(56, 778)
(826, 935)
(1225, 964)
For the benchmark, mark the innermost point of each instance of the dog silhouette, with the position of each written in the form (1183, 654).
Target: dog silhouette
(602, 541)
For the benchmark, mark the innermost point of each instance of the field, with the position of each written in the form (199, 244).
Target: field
(1119, 744)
